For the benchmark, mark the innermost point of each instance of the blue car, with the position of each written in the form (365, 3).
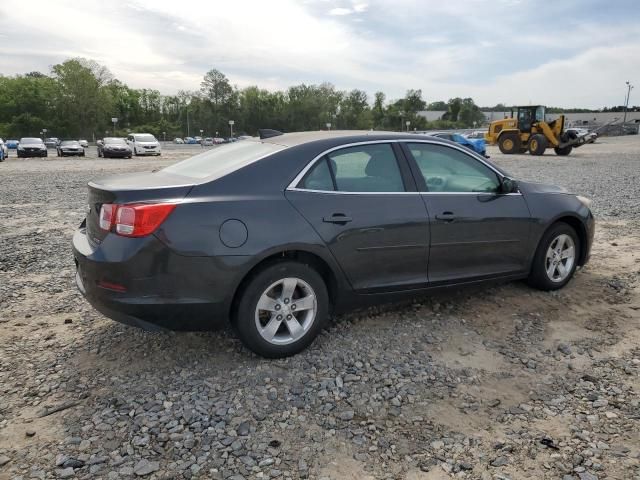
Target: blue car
(476, 144)
(12, 144)
(190, 140)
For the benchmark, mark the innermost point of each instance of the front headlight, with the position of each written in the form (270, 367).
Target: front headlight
(584, 200)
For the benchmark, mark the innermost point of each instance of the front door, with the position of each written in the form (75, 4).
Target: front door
(356, 199)
(476, 232)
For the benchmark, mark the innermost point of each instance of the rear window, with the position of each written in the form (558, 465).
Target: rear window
(145, 138)
(223, 160)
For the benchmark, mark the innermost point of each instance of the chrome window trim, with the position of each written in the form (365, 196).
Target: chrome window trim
(292, 186)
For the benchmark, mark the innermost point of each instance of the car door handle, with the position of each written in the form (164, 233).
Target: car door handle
(446, 217)
(337, 218)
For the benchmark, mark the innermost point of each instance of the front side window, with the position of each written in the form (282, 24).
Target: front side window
(366, 168)
(446, 169)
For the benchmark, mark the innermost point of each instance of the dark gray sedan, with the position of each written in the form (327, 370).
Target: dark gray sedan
(276, 234)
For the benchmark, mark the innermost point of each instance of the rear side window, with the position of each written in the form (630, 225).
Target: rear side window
(223, 160)
(366, 168)
(319, 177)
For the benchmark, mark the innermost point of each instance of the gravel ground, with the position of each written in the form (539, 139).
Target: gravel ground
(495, 382)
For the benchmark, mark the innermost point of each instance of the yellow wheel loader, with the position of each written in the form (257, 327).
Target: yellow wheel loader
(527, 129)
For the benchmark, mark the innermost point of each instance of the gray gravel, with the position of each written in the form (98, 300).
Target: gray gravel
(496, 382)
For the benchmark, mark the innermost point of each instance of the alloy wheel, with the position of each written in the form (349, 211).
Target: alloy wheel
(286, 311)
(560, 258)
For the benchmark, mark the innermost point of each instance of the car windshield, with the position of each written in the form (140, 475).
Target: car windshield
(145, 138)
(30, 140)
(69, 142)
(112, 140)
(218, 162)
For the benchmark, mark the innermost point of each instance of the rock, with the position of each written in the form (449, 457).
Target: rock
(30, 433)
(67, 321)
(73, 463)
(145, 467)
(4, 460)
(587, 476)
(346, 415)
(500, 461)
(65, 473)
(564, 349)
(243, 429)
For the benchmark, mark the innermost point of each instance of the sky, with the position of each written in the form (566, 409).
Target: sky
(569, 53)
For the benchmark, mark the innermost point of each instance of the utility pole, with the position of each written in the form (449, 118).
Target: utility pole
(626, 101)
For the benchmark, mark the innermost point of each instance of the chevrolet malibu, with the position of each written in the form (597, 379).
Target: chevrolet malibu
(276, 233)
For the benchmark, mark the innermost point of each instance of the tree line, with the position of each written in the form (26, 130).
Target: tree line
(79, 98)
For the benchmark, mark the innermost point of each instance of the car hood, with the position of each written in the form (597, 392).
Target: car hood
(152, 144)
(532, 187)
(32, 145)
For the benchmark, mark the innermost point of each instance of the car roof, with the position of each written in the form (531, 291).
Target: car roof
(341, 137)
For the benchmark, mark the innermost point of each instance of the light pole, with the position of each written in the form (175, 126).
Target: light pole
(44, 132)
(114, 120)
(626, 101)
(328, 126)
(407, 123)
(231, 124)
(164, 136)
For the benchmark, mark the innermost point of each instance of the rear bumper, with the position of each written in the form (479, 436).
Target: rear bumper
(151, 287)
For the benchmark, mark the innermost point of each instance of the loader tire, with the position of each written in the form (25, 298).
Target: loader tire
(509, 143)
(537, 144)
(563, 151)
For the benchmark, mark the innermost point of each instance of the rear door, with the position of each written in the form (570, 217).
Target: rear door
(476, 231)
(363, 203)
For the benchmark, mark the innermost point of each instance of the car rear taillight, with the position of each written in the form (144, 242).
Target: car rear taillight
(135, 220)
(107, 216)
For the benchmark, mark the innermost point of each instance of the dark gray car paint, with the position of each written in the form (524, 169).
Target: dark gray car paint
(185, 277)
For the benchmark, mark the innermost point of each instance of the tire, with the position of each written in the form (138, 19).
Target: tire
(46, 154)
(563, 151)
(509, 143)
(307, 283)
(537, 144)
(542, 261)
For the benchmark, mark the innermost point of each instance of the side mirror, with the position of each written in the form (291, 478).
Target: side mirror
(508, 185)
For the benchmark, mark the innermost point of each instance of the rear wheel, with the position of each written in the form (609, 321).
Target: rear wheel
(537, 144)
(556, 258)
(509, 143)
(282, 309)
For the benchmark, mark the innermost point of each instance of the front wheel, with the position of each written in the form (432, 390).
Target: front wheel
(537, 144)
(564, 151)
(282, 309)
(556, 258)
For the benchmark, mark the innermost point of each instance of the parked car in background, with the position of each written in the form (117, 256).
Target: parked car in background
(218, 140)
(12, 144)
(31, 147)
(354, 218)
(477, 145)
(476, 134)
(143, 144)
(190, 140)
(68, 148)
(178, 141)
(590, 137)
(4, 150)
(111, 147)
(244, 137)
(207, 142)
(51, 142)
(198, 139)
(83, 143)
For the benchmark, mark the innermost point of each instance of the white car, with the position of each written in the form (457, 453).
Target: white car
(178, 141)
(144, 144)
(83, 143)
(4, 149)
